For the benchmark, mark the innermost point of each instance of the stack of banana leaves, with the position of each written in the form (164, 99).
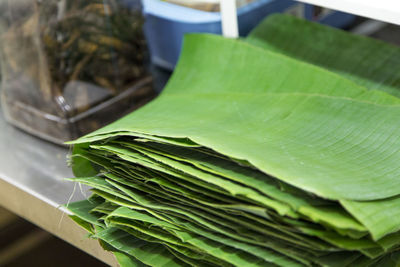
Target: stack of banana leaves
(282, 149)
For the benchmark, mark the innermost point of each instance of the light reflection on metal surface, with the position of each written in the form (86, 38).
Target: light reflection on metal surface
(36, 166)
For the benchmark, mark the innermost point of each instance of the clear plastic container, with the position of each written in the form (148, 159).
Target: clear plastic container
(69, 67)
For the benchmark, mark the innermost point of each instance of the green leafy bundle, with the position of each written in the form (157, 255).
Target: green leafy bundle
(251, 158)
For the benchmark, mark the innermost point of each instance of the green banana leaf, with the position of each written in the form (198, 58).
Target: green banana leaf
(251, 158)
(366, 61)
(287, 143)
(127, 261)
(295, 126)
(148, 253)
(204, 222)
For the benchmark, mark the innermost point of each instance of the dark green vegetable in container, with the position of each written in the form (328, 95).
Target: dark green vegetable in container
(97, 43)
(80, 63)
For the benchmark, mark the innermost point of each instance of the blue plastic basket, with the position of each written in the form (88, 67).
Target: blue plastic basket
(166, 24)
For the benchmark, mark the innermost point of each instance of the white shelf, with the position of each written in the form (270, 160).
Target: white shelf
(383, 10)
(229, 20)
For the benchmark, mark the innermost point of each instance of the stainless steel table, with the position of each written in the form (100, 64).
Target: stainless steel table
(32, 186)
